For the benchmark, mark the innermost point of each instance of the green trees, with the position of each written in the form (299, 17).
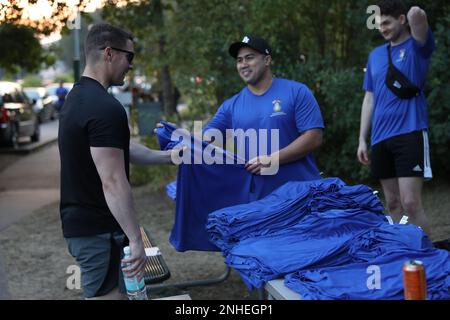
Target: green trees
(19, 45)
(438, 92)
(14, 42)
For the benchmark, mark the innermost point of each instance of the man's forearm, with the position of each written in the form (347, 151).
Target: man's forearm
(142, 155)
(120, 202)
(366, 117)
(417, 19)
(305, 144)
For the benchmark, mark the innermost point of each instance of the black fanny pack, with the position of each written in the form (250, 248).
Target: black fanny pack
(398, 83)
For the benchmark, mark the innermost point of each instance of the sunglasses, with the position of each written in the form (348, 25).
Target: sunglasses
(130, 55)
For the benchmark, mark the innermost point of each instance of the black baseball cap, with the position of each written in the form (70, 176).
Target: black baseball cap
(259, 44)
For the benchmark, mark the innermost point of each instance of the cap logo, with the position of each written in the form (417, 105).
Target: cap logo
(246, 39)
(267, 51)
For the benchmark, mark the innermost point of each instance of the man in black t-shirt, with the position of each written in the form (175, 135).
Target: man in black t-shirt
(97, 211)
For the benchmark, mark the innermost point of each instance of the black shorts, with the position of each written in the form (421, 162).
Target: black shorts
(99, 258)
(406, 155)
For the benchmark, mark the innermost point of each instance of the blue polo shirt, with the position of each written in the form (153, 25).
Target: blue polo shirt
(393, 116)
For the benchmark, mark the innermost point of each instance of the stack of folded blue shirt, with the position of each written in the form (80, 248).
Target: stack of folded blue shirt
(383, 249)
(325, 237)
(319, 239)
(283, 208)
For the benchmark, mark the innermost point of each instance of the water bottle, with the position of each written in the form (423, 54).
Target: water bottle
(135, 285)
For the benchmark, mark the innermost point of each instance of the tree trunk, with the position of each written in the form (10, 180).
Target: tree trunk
(168, 92)
(165, 80)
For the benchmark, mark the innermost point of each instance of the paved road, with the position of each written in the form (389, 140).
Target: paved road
(28, 183)
(49, 132)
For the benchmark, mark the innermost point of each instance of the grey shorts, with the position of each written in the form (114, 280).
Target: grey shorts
(99, 259)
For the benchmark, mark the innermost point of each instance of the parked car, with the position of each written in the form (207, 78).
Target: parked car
(51, 98)
(17, 118)
(36, 95)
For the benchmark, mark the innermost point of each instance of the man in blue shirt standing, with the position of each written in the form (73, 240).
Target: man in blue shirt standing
(268, 103)
(61, 93)
(284, 119)
(398, 123)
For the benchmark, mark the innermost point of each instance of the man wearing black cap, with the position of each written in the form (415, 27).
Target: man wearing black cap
(268, 103)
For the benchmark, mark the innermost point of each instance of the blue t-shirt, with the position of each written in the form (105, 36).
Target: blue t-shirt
(288, 106)
(393, 116)
(61, 92)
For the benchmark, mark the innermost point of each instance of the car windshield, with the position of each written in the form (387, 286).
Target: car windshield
(32, 94)
(51, 91)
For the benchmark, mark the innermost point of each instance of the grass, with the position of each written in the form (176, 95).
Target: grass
(436, 200)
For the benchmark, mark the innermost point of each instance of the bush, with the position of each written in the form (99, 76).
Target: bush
(340, 97)
(66, 77)
(32, 81)
(438, 92)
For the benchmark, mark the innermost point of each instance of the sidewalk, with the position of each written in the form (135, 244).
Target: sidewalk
(29, 183)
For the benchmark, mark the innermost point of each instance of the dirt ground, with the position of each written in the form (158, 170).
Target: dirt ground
(36, 259)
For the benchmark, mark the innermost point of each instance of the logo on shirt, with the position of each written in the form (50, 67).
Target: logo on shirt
(276, 105)
(401, 55)
(277, 109)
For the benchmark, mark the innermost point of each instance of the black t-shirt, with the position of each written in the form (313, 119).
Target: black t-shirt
(90, 118)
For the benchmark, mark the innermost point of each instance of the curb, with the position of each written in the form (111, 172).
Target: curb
(28, 148)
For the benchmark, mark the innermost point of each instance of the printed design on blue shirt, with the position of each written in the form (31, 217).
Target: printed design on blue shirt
(277, 108)
(401, 55)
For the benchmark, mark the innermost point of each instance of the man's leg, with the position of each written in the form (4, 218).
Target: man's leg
(411, 199)
(99, 259)
(391, 193)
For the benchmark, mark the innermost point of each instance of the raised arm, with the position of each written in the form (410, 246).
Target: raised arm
(418, 22)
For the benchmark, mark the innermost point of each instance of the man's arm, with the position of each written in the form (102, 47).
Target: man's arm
(141, 155)
(116, 188)
(308, 142)
(417, 19)
(366, 118)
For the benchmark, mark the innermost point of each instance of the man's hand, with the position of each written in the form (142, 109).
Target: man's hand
(137, 260)
(255, 165)
(415, 12)
(362, 154)
(176, 154)
(160, 125)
